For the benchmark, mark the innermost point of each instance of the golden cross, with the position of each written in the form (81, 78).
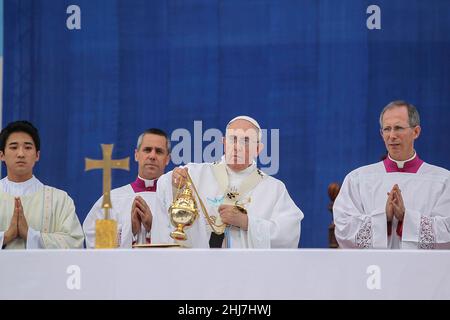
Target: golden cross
(107, 164)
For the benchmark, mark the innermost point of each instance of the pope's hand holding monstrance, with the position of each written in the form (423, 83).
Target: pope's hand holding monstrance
(184, 210)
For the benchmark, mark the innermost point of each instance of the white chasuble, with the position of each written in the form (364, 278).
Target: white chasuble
(273, 218)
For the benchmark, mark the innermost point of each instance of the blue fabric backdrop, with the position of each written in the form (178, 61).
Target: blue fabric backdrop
(310, 68)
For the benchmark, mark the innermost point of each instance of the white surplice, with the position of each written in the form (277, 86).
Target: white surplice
(122, 201)
(359, 210)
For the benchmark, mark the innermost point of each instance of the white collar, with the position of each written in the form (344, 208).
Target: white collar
(19, 189)
(148, 183)
(401, 164)
(22, 184)
(241, 173)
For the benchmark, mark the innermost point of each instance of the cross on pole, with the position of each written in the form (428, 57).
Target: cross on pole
(107, 164)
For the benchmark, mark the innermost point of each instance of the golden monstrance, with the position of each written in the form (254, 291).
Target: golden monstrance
(184, 211)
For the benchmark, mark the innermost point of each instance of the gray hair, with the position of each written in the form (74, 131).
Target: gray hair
(156, 131)
(413, 114)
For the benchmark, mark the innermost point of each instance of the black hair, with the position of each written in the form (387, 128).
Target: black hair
(20, 126)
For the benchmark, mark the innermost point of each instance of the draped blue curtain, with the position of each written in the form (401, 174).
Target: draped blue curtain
(309, 68)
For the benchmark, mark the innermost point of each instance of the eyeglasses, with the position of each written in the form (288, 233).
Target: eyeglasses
(243, 141)
(396, 129)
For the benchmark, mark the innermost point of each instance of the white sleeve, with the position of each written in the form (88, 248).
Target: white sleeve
(429, 230)
(356, 228)
(67, 232)
(196, 233)
(141, 235)
(282, 230)
(164, 191)
(34, 239)
(411, 227)
(161, 227)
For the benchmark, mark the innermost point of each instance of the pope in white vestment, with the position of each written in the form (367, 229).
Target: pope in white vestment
(401, 202)
(272, 218)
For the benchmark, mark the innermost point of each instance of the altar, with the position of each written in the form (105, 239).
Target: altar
(223, 274)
